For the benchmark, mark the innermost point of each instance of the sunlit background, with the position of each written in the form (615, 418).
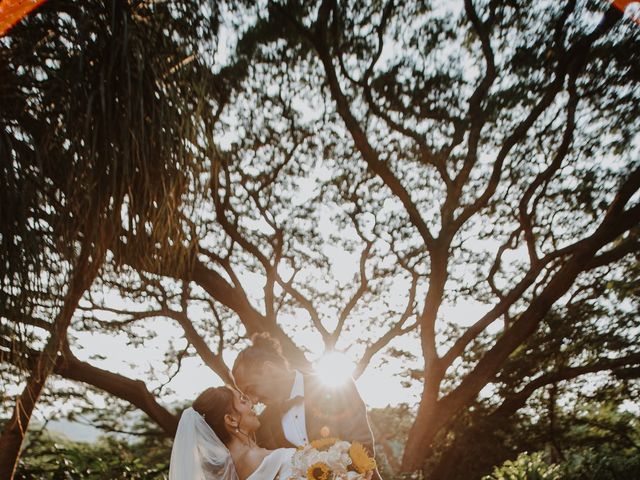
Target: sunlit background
(292, 226)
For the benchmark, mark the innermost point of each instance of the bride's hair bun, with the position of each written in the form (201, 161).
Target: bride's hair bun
(263, 348)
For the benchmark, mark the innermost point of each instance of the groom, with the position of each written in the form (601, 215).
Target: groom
(299, 408)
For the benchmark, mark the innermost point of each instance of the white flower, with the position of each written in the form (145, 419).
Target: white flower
(335, 457)
(342, 446)
(353, 476)
(335, 461)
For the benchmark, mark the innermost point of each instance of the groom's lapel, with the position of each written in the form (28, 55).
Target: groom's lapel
(273, 419)
(328, 411)
(313, 398)
(277, 431)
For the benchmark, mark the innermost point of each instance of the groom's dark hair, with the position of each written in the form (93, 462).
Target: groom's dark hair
(263, 348)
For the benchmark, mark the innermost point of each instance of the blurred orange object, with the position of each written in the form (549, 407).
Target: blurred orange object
(12, 11)
(623, 4)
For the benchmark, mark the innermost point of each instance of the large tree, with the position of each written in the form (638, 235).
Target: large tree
(456, 151)
(379, 162)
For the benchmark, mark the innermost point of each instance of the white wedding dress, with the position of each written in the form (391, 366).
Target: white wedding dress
(276, 466)
(198, 454)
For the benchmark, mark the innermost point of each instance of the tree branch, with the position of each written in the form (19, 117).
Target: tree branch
(395, 331)
(133, 391)
(517, 400)
(559, 284)
(570, 64)
(369, 154)
(362, 289)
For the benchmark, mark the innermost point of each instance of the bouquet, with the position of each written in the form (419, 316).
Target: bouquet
(332, 459)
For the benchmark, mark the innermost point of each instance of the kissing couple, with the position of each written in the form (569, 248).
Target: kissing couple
(220, 437)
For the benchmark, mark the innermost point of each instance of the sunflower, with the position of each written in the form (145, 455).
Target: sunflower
(362, 462)
(318, 471)
(323, 443)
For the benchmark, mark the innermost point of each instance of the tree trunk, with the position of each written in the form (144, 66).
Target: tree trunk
(557, 453)
(15, 430)
(427, 424)
(428, 419)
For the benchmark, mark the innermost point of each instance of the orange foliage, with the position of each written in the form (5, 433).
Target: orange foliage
(12, 11)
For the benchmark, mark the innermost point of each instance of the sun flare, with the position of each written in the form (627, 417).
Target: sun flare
(334, 368)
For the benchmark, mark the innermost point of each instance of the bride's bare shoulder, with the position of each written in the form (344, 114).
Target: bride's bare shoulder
(249, 461)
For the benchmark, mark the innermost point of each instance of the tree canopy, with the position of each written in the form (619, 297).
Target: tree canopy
(345, 172)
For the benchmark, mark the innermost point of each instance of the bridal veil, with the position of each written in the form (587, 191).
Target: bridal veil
(198, 453)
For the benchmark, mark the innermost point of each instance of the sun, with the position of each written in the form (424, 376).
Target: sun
(334, 368)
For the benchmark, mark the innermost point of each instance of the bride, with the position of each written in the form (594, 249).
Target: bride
(214, 441)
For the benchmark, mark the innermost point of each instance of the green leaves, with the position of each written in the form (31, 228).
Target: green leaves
(50, 458)
(586, 464)
(526, 467)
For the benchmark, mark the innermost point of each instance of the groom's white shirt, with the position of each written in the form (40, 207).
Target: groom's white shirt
(293, 421)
